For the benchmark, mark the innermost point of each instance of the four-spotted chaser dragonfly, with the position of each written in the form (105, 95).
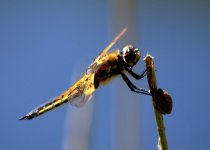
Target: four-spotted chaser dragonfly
(103, 68)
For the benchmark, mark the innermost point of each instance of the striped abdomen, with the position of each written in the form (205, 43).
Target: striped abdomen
(72, 93)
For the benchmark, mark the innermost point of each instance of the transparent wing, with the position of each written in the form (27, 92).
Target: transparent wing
(113, 42)
(101, 57)
(85, 88)
(83, 92)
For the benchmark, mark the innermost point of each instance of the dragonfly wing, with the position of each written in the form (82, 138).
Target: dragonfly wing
(113, 42)
(86, 88)
(94, 67)
(78, 101)
(100, 57)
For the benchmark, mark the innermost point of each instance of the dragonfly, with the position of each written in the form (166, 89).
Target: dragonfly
(103, 68)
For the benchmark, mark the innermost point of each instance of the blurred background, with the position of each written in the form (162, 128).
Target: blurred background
(45, 46)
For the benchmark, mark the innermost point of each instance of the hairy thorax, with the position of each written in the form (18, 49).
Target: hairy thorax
(109, 69)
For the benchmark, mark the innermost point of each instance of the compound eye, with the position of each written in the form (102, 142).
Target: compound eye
(128, 48)
(131, 55)
(131, 50)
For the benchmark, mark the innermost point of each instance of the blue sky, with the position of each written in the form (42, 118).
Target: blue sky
(46, 46)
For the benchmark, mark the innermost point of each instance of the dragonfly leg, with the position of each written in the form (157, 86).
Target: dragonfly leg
(135, 75)
(133, 87)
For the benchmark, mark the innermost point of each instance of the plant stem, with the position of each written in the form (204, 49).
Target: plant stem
(151, 78)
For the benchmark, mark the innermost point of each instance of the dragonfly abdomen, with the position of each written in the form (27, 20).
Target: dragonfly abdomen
(63, 98)
(46, 107)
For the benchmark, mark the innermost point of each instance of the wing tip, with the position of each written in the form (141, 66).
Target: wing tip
(125, 29)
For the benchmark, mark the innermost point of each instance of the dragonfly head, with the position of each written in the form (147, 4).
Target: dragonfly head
(130, 55)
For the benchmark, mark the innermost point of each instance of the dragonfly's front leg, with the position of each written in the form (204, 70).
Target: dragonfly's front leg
(135, 75)
(133, 87)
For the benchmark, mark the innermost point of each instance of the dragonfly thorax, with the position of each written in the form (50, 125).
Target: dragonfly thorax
(130, 55)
